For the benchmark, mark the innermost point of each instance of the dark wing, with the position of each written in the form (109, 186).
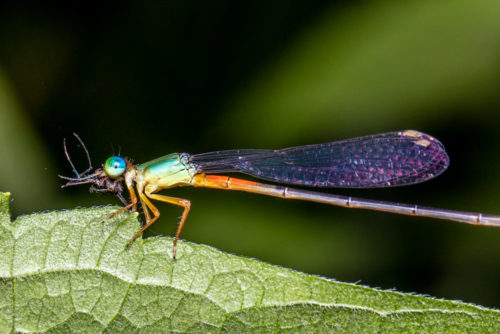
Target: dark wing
(382, 160)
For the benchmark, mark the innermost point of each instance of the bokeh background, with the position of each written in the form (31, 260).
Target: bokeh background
(149, 78)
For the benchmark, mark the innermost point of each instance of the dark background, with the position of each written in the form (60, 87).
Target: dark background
(149, 78)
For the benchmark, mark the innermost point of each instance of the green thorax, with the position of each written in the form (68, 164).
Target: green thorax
(168, 171)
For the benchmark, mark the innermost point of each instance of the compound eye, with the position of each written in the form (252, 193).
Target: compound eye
(114, 167)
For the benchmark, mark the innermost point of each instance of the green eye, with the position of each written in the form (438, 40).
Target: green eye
(114, 167)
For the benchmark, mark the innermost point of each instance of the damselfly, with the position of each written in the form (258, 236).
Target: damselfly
(376, 161)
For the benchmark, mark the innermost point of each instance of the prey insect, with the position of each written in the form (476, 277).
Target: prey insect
(376, 161)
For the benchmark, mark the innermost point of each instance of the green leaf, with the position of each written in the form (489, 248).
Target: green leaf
(67, 272)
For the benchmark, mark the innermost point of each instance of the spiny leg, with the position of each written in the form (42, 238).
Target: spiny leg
(146, 203)
(117, 212)
(132, 204)
(186, 204)
(145, 209)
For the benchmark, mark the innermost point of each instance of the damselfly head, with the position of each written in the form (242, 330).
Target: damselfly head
(106, 179)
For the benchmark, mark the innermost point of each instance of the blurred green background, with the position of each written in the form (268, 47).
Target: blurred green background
(150, 78)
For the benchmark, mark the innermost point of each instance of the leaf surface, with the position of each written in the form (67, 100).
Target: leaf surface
(66, 271)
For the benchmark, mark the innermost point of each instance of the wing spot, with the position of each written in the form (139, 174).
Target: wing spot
(412, 133)
(423, 142)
